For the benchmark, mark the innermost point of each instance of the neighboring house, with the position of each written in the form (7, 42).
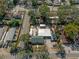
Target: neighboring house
(9, 37)
(76, 1)
(54, 19)
(56, 2)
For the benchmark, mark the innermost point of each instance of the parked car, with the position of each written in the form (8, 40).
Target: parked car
(17, 17)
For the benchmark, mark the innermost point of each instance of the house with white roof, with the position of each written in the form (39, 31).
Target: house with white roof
(57, 2)
(44, 32)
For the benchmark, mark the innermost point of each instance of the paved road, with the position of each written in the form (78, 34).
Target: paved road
(25, 25)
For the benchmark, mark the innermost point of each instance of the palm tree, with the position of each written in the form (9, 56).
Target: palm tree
(15, 2)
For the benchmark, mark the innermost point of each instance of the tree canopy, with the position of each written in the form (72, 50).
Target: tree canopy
(44, 9)
(71, 30)
(68, 13)
(34, 3)
(25, 38)
(15, 2)
(14, 23)
(44, 13)
(33, 19)
(2, 7)
(72, 2)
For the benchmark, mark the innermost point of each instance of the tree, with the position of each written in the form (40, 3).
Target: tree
(61, 50)
(44, 10)
(14, 23)
(15, 2)
(25, 39)
(3, 7)
(34, 3)
(14, 48)
(44, 56)
(33, 19)
(72, 2)
(10, 4)
(59, 45)
(21, 54)
(67, 14)
(71, 31)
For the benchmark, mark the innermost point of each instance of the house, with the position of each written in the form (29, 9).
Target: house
(76, 1)
(37, 40)
(37, 44)
(46, 33)
(56, 2)
(10, 35)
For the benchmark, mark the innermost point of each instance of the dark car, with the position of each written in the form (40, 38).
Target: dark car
(61, 54)
(17, 17)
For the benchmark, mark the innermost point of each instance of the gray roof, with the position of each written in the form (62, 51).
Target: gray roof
(37, 40)
(10, 34)
(53, 37)
(76, 1)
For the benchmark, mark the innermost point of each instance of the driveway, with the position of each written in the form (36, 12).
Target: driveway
(26, 24)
